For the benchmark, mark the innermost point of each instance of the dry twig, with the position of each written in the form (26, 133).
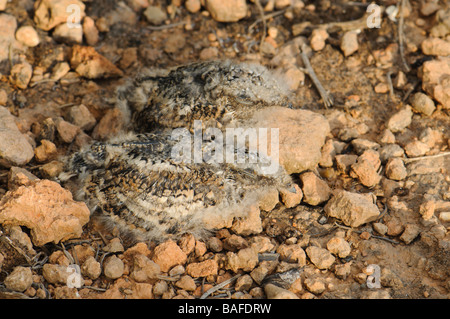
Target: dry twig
(326, 98)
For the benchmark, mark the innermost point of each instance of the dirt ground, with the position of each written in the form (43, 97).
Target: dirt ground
(419, 269)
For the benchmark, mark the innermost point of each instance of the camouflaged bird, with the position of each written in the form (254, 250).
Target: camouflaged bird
(135, 183)
(215, 92)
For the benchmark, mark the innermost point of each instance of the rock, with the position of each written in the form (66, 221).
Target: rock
(110, 124)
(21, 239)
(202, 269)
(20, 279)
(394, 227)
(435, 46)
(316, 286)
(353, 209)
(45, 152)
(338, 246)
(380, 228)
(2, 258)
(318, 38)
(400, 120)
(444, 217)
(91, 268)
(114, 246)
(292, 254)
(234, 243)
(3, 5)
(67, 34)
(245, 259)
(343, 270)
(431, 137)
(89, 63)
(345, 161)
(66, 130)
(187, 243)
(193, 6)
(416, 148)
(90, 31)
(250, 224)
(389, 151)
(269, 200)
(186, 283)
(320, 257)
(264, 268)
(113, 267)
(200, 248)
(209, 53)
(327, 154)
(349, 43)
(51, 169)
(315, 190)
(215, 244)
(160, 288)
(366, 168)
(60, 70)
(56, 274)
(227, 11)
(18, 176)
(291, 197)
(21, 74)
(28, 36)
(46, 209)
(8, 26)
(360, 145)
(434, 75)
(427, 8)
(177, 271)
(301, 135)
(50, 13)
(387, 137)
(243, 283)
(410, 233)
(82, 117)
(155, 15)
(422, 103)
(395, 169)
(15, 150)
(58, 257)
(294, 77)
(3, 98)
(168, 254)
(275, 292)
(144, 269)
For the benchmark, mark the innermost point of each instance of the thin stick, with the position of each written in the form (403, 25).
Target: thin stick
(166, 26)
(266, 17)
(401, 37)
(414, 159)
(219, 286)
(326, 98)
(261, 12)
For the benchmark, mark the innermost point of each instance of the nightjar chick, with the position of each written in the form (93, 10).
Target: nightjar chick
(152, 183)
(137, 184)
(215, 92)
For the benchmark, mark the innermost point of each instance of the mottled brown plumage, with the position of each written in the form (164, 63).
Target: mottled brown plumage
(135, 183)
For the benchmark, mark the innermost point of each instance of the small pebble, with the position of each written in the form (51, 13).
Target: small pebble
(349, 43)
(422, 103)
(113, 267)
(193, 6)
(21, 74)
(28, 36)
(155, 15)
